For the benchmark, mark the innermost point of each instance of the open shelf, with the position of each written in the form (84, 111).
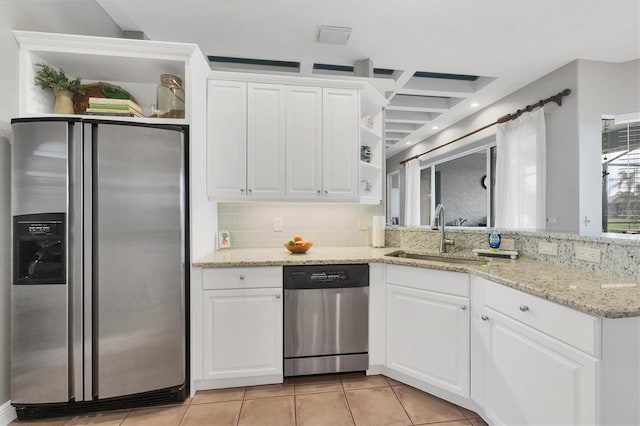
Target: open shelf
(134, 65)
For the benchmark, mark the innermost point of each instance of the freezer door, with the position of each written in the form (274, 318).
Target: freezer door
(40, 342)
(138, 259)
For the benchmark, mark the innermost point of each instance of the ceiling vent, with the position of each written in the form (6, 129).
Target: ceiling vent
(333, 35)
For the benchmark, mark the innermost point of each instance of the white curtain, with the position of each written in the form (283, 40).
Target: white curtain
(412, 193)
(521, 172)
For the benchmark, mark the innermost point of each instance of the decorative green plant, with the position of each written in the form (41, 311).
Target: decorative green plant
(49, 78)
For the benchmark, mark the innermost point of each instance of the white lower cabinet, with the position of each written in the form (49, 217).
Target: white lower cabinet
(534, 379)
(427, 329)
(527, 368)
(242, 333)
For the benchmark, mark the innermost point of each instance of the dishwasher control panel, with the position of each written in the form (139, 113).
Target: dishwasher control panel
(326, 276)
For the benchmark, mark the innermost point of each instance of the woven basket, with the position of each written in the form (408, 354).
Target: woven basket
(93, 90)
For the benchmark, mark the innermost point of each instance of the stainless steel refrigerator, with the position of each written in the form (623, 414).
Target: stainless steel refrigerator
(99, 277)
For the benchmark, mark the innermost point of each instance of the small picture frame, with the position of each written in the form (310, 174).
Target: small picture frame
(224, 239)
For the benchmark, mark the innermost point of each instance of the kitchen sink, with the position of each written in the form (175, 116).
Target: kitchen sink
(436, 258)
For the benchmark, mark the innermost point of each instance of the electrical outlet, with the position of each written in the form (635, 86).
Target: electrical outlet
(363, 223)
(508, 244)
(588, 254)
(278, 224)
(548, 248)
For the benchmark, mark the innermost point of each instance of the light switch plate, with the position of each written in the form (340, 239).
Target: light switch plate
(588, 254)
(278, 224)
(548, 248)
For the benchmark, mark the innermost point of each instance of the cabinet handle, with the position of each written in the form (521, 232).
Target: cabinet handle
(242, 277)
(484, 317)
(524, 308)
(463, 307)
(278, 296)
(326, 192)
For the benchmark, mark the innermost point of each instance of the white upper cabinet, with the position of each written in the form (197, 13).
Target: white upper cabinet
(279, 142)
(226, 139)
(304, 142)
(265, 140)
(340, 127)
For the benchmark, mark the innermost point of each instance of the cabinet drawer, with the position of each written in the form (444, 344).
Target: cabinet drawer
(230, 278)
(454, 283)
(575, 328)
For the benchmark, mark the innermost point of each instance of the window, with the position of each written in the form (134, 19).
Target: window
(621, 175)
(463, 185)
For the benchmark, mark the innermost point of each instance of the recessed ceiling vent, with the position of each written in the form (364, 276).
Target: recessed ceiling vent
(333, 35)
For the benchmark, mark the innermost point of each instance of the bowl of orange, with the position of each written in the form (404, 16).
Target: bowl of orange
(298, 245)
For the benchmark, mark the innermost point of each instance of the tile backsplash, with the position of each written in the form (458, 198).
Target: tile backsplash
(251, 224)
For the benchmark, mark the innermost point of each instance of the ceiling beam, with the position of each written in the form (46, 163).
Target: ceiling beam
(412, 117)
(400, 127)
(418, 103)
(394, 135)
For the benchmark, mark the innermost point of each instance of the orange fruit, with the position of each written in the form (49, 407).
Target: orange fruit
(299, 243)
(297, 238)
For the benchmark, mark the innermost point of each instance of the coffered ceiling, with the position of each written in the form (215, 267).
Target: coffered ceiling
(445, 58)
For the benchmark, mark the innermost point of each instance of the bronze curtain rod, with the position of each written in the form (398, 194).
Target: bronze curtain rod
(557, 98)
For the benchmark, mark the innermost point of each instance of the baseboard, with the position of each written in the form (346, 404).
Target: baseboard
(7, 413)
(235, 382)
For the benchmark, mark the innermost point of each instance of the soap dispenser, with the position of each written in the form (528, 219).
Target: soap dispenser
(494, 240)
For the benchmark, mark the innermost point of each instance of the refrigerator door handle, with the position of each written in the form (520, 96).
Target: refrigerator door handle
(87, 284)
(74, 266)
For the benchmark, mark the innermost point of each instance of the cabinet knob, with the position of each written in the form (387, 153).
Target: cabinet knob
(326, 192)
(242, 277)
(241, 189)
(484, 317)
(319, 192)
(278, 296)
(524, 308)
(463, 307)
(249, 190)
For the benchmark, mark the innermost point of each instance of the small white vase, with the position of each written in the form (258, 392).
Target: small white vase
(64, 102)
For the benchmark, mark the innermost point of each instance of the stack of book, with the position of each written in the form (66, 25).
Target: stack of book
(114, 107)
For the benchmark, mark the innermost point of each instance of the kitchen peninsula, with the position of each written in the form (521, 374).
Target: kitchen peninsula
(474, 333)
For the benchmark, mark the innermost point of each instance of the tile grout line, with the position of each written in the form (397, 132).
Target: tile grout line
(344, 393)
(401, 404)
(244, 393)
(184, 413)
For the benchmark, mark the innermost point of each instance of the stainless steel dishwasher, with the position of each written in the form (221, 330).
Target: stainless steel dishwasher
(326, 319)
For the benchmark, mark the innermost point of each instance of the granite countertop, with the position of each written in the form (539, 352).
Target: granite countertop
(599, 294)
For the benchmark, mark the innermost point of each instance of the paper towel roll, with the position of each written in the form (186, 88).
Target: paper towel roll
(377, 231)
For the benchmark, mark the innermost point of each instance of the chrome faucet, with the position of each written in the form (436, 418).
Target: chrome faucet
(439, 216)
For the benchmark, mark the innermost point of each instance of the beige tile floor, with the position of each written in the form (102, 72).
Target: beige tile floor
(328, 400)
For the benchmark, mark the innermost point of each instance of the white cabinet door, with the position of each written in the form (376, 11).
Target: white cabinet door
(242, 333)
(226, 139)
(304, 142)
(428, 337)
(534, 379)
(340, 136)
(265, 141)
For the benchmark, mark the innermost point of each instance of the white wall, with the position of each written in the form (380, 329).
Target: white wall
(573, 134)
(62, 16)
